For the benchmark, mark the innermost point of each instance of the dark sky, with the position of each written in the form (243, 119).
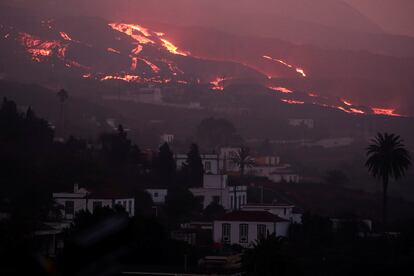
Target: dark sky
(394, 16)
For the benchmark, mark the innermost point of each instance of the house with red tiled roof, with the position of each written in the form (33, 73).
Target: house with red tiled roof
(246, 227)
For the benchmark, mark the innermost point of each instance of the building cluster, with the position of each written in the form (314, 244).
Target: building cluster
(244, 220)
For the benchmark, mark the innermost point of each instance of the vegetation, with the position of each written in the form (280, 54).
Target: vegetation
(387, 158)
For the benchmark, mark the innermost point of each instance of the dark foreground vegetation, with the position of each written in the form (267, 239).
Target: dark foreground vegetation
(34, 165)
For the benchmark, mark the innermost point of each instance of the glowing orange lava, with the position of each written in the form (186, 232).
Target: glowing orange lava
(292, 101)
(39, 49)
(298, 70)
(137, 50)
(301, 71)
(65, 36)
(172, 48)
(153, 67)
(113, 50)
(135, 31)
(385, 111)
(124, 77)
(356, 111)
(348, 103)
(281, 89)
(217, 84)
(311, 94)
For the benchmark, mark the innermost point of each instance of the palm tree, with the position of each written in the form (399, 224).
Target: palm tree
(62, 96)
(387, 158)
(243, 160)
(268, 256)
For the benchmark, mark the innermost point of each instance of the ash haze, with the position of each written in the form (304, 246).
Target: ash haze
(394, 16)
(206, 137)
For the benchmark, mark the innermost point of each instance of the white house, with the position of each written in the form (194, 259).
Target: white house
(211, 162)
(215, 189)
(81, 199)
(246, 227)
(167, 138)
(238, 196)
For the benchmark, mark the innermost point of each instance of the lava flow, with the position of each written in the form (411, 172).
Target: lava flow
(297, 69)
(217, 84)
(144, 36)
(281, 89)
(385, 111)
(292, 101)
(39, 49)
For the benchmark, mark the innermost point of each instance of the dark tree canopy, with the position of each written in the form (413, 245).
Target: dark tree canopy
(194, 167)
(212, 133)
(387, 158)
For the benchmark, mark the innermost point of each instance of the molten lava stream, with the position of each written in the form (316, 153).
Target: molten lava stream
(385, 111)
(281, 89)
(292, 101)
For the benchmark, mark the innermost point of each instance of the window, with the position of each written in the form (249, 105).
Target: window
(261, 231)
(207, 166)
(231, 202)
(155, 194)
(284, 211)
(225, 232)
(96, 205)
(244, 233)
(69, 207)
(130, 206)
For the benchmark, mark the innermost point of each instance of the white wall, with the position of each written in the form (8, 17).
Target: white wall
(280, 227)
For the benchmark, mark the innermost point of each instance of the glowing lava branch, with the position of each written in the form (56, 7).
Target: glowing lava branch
(348, 103)
(172, 48)
(292, 101)
(124, 77)
(301, 71)
(298, 70)
(137, 50)
(113, 50)
(38, 48)
(385, 111)
(280, 89)
(356, 111)
(65, 36)
(153, 67)
(218, 84)
(312, 94)
(132, 31)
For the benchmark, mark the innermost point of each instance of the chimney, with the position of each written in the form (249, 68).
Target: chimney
(76, 188)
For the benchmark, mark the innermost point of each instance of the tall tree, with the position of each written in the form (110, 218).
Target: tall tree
(216, 132)
(243, 160)
(194, 166)
(62, 96)
(387, 158)
(166, 163)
